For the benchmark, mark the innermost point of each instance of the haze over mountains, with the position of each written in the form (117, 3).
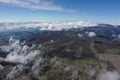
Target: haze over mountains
(54, 40)
(79, 27)
(46, 50)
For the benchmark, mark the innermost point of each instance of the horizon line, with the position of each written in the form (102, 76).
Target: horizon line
(91, 21)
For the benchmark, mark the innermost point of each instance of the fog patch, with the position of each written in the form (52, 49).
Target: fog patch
(19, 52)
(91, 34)
(80, 35)
(15, 71)
(1, 67)
(36, 66)
(92, 73)
(28, 60)
(108, 75)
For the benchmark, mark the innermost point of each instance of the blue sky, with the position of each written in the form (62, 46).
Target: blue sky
(60, 10)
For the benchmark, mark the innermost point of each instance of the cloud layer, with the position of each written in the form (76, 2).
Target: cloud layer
(45, 25)
(19, 52)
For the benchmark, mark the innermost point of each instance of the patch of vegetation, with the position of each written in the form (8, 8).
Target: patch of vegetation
(58, 74)
(112, 51)
(80, 64)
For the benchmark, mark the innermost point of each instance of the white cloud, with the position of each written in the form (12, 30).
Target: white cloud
(109, 75)
(1, 67)
(36, 4)
(91, 34)
(80, 35)
(15, 71)
(19, 52)
(46, 25)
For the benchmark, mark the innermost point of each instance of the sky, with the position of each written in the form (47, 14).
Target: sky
(60, 10)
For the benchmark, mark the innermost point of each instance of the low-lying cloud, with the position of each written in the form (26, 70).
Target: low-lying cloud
(1, 67)
(91, 34)
(15, 71)
(109, 75)
(45, 25)
(19, 52)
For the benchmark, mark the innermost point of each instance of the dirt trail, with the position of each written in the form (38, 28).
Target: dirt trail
(92, 48)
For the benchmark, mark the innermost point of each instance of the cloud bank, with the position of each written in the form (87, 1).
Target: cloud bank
(109, 75)
(45, 25)
(19, 52)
